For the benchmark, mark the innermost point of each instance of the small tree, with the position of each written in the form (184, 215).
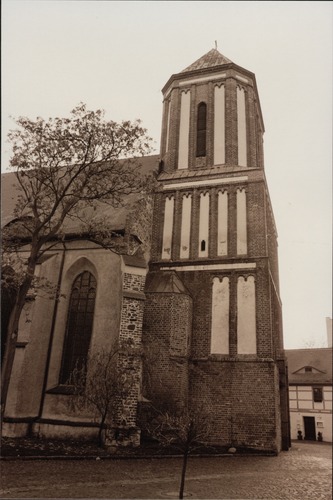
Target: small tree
(102, 385)
(64, 166)
(185, 430)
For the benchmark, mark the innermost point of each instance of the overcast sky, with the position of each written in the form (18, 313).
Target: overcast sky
(118, 56)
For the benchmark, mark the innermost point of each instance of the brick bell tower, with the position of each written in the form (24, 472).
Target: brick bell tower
(213, 320)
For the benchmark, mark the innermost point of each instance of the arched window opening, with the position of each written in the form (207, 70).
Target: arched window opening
(203, 246)
(79, 325)
(201, 129)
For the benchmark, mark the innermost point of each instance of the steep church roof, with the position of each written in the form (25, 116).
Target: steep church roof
(168, 282)
(116, 215)
(209, 60)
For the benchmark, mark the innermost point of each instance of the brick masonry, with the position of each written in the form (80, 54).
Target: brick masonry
(130, 335)
(170, 329)
(243, 394)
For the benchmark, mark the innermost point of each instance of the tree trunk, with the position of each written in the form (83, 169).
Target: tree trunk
(100, 433)
(182, 481)
(101, 427)
(12, 333)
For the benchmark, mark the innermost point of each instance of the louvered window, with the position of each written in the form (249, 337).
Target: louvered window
(201, 129)
(79, 325)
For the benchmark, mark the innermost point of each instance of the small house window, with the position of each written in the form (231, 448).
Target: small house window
(203, 246)
(308, 369)
(318, 394)
(201, 129)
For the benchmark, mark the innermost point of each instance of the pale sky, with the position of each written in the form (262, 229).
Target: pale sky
(118, 56)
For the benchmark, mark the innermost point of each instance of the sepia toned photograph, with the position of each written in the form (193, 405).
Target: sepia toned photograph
(166, 236)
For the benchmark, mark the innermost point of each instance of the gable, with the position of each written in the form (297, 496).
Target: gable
(308, 369)
(309, 366)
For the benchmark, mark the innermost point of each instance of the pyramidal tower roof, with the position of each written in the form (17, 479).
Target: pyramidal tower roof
(209, 60)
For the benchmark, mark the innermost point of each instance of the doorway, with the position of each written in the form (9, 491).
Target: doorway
(309, 428)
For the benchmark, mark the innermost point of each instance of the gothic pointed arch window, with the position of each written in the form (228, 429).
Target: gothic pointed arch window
(201, 129)
(79, 324)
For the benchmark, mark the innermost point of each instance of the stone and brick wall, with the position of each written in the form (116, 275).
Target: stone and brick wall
(130, 336)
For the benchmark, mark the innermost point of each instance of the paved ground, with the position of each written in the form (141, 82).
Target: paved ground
(302, 473)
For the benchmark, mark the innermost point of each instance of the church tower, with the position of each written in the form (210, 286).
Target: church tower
(213, 316)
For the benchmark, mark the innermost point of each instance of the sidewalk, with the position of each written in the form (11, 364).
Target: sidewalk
(303, 473)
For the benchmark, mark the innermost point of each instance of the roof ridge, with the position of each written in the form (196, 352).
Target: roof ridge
(210, 59)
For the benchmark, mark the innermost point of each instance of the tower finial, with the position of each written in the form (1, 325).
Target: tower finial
(215, 45)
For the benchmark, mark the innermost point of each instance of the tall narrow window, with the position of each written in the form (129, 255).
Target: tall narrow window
(241, 222)
(168, 104)
(184, 129)
(246, 316)
(79, 325)
(186, 227)
(241, 127)
(168, 228)
(220, 316)
(201, 129)
(219, 125)
(222, 224)
(203, 225)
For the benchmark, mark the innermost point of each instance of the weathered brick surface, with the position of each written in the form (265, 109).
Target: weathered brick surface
(241, 397)
(133, 282)
(166, 337)
(171, 330)
(241, 392)
(131, 331)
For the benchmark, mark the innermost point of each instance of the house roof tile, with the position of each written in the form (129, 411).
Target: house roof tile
(320, 359)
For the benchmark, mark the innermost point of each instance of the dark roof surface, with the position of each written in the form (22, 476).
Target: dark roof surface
(115, 216)
(209, 60)
(169, 282)
(319, 359)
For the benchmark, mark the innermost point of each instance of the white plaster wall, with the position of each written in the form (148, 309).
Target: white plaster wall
(222, 224)
(219, 125)
(302, 405)
(168, 104)
(302, 397)
(241, 222)
(323, 422)
(34, 330)
(220, 317)
(106, 268)
(184, 129)
(15, 382)
(241, 128)
(246, 316)
(167, 228)
(204, 224)
(185, 227)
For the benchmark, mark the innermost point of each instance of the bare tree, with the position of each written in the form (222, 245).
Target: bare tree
(313, 343)
(166, 415)
(63, 168)
(185, 430)
(102, 386)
